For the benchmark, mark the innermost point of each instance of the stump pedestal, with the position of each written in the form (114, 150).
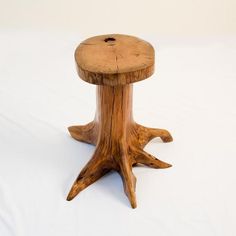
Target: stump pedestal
(113, 63)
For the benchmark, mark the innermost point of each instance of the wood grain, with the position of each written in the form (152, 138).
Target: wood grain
(114, 62)
(114, 59)
(118, 139)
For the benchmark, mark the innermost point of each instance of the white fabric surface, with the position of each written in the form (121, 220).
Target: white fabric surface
(192, 94)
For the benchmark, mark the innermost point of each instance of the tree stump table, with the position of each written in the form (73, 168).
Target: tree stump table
(113, 63)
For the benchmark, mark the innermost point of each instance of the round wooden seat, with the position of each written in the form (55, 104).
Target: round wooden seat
(114, 59)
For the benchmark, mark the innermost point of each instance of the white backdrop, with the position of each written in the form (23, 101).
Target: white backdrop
(91, 17)
(192, 94)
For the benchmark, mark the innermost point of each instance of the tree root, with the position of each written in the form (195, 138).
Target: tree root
(119, 156)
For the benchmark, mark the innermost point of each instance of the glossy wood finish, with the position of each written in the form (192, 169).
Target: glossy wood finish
(119, 140)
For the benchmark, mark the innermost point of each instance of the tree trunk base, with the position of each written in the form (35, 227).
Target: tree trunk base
(127, 155)
(119, 141)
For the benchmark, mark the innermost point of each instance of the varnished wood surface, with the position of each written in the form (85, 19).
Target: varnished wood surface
(118, 139)
(113, 62)
(114, 59)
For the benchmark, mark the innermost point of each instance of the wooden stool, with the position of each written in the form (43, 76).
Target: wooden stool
(113, 63)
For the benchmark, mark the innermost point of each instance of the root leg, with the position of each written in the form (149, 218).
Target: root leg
(94, 170)
(84, 133)
(145, 134)
(151, 161)
(129, 180)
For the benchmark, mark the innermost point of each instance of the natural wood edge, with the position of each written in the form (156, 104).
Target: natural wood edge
(114, 59)
(115, 79)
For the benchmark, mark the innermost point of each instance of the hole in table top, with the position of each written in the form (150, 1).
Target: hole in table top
(109, 39)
